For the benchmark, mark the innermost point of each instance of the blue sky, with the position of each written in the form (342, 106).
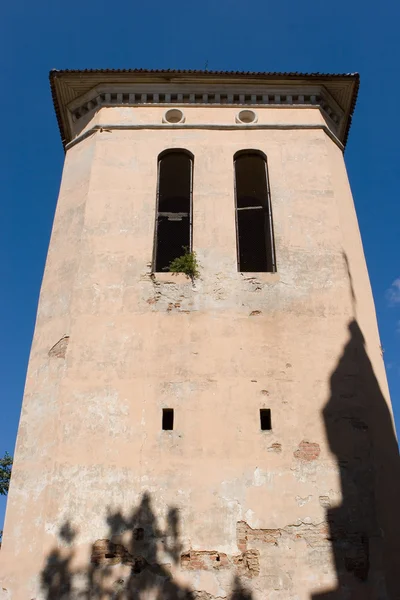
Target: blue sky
(260, 35)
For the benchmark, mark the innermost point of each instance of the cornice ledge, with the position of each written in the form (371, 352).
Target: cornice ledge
(260, 97)
(233, 127)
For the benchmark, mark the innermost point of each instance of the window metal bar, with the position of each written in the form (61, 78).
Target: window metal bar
(154, 261)
(236, 218)
(191, 208)
(173, 215)
(251, 208)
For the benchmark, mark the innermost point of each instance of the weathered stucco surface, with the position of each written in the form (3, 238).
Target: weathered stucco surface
(100, 495)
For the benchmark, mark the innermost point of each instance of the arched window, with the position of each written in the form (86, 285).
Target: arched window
(174, 207)
(254, 228)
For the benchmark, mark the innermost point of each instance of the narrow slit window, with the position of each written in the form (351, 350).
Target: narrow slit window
(168, 419)
(254, 227)
(265, 419)
(174, 208)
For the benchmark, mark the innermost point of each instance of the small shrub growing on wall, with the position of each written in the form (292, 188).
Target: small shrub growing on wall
(187, 263)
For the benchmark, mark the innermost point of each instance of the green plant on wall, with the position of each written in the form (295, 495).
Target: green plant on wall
(187, 263)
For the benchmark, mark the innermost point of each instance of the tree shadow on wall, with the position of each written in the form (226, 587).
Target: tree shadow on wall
(56, 577)
(135, 561)
(364, 529)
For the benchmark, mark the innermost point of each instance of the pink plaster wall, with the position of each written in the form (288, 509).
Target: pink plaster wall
(90, 441)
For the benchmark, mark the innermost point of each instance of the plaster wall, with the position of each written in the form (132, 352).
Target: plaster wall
(197, 116)
(114, 344)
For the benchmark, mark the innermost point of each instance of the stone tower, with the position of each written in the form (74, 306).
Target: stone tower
(220, 434)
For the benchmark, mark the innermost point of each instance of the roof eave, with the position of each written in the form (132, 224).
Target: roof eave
(209, 76)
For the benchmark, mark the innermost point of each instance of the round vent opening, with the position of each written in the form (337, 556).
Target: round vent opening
(174, 115)
(246, 116)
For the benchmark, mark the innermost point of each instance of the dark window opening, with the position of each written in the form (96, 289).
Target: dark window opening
(265, 419)
(174, 208)
(168, 419)
(254, 229)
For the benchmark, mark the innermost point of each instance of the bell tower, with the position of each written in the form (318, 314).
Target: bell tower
(206, 413)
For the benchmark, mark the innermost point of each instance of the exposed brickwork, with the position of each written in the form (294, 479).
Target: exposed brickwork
(307, 451)
(202, 596)
(314, 535)
(241, 535)
(325, 501)
(175, 305)
(106, 553)
(317, 537)
(247, 563)
(203, 560)
(275, 447)
(59, 350)
(245, 534)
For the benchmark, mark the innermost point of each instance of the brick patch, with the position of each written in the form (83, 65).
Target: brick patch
(307, 451)
(59, 350)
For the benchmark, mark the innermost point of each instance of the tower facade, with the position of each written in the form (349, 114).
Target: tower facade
(222, 432)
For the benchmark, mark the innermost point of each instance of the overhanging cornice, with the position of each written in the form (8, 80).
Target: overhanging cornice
(337, 93)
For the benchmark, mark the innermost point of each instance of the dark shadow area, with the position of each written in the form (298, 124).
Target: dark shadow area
(144, 555)
(239, 591)
(364, 529)
(56, 577)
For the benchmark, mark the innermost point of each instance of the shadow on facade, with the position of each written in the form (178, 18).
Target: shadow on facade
(137, 546)
(364, 529)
